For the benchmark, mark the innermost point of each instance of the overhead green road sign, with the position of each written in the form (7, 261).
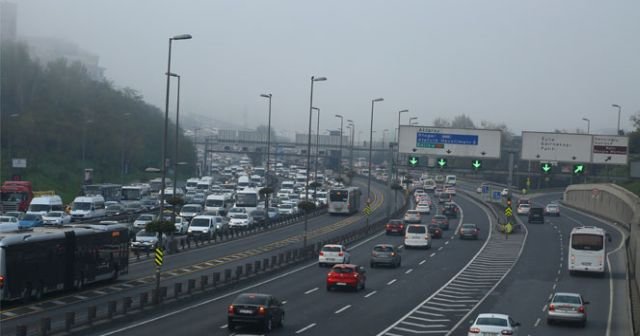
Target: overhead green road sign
(476, 164)
(545, 167)
(413, 161)
(442, 162)
(578, 169)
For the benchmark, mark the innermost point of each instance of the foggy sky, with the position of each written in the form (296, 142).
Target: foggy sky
(533, 65)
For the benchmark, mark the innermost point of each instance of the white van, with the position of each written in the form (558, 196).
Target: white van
(243, 182)
(85, 207)
(450, 179)
(217, 202)
(42, 204)
(192, 183)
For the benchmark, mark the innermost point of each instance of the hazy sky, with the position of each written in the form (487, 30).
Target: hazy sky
(534, 65)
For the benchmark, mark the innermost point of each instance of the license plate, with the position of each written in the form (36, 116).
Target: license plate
(245, 311)
(586, 263)
(341, 283)
(331, 259)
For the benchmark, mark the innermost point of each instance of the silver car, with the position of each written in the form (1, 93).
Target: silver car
(567, 307)
(385, 254)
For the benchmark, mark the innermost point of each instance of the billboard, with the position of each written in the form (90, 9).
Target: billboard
(441, 141)
(610, 149)
(560, 147)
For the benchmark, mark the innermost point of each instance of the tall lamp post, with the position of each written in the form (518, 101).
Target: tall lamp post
(315, 174)
(313, 80)
(398, 142)
(353, 137)
(340, 161)
(163, 164)
(370, 151)
(588, 124)
(175, 150)
(268, 175)
(619, 111)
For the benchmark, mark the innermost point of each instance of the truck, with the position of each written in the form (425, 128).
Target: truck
(15, 195)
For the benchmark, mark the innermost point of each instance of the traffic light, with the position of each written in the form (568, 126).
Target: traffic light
(545, 168)
(476, 164)
(508, 202)
(413, 161)
(442, 162)
(578, 169)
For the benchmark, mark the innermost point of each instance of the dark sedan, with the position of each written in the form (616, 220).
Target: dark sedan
(441, 220)
(395, 226)
(262, 310)
(435, 231)
(468, 230)
(385, 254)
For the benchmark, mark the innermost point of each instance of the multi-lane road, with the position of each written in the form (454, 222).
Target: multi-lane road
(437, 291)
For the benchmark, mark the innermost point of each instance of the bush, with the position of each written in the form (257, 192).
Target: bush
(306, 206)
(165, 227)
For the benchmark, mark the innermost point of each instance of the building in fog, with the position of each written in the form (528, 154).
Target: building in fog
(8, 21)
(46, 50)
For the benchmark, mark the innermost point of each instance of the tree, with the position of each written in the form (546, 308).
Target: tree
(462, 121)
(441, 122)
(306, 206)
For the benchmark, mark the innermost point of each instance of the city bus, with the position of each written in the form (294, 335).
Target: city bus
(587, 250)
(247, 198)
(109, 191)
(44, 260)
(134, 192)
(344, 200)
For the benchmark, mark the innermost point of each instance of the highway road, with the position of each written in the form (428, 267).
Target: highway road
(542, 269)
(195, 262)
(311, 310)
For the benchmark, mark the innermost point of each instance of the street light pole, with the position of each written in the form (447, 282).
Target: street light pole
(267, 177)
(313, 79)
(398, 142)
(353, 135)
(370, 151)
(340, 161)
(412, 119)
(175, 150)
(588, 124)
(315, 174)
(619, 111)
(163, 166)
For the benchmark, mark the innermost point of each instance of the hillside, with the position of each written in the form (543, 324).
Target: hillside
(62, 122)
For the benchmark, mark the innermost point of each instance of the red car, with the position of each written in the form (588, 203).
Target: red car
(395, 226)
(346, 275)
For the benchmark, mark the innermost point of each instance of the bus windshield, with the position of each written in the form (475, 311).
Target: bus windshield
(246, 200)
(81, 206)
(130, 194)
(587, 242)
(338, 195)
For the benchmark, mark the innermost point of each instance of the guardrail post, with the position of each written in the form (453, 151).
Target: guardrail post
(280, 259)
(91, 314)
(215, 279)
(126, 304)
(163, 293)
(144, 299)
(177, 289)
(111, 309)
(274, 261)
(191, 285)
(21, 330)
(155, 296)
(204, 280)
(227, 275)
(45, 326)
(248, 269)
(69, 320)
(238, 272)
(265, 264)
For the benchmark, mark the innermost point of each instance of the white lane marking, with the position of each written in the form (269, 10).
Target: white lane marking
(224, 326)
(544, 309)
(554, 287)
(342, 309)
(81, 297)
(537, 323)
(550, 296)
(284, 302)
(423, 261)
(558, 272)
(446, 243)
(440, 248)
(306, 328)
(432, 254)
(391, 282)
(401, 246)
(409, 271)
(372, 293)
(311, 290)
(224, 296)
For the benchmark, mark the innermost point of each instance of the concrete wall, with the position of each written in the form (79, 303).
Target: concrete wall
(618, 205)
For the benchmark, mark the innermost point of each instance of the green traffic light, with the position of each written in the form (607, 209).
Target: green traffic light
(545, 167)
(413, 161)
(476, 164)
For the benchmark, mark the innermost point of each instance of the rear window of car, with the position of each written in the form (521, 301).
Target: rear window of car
(416, 229)
(439, 217)
(251, 299)
(492, 321)
(468, 226)
(412, 212)
(383, 249)
(566, 299)
(396, 221)
(342, 270)
(331, 249)
(433, 226)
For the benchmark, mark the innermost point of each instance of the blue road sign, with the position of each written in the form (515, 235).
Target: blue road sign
(485, 189)
(497, 196)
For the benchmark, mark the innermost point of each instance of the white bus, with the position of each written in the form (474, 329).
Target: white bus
(134, 193)
(587, 250)
(247, 198)
(344, 200)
